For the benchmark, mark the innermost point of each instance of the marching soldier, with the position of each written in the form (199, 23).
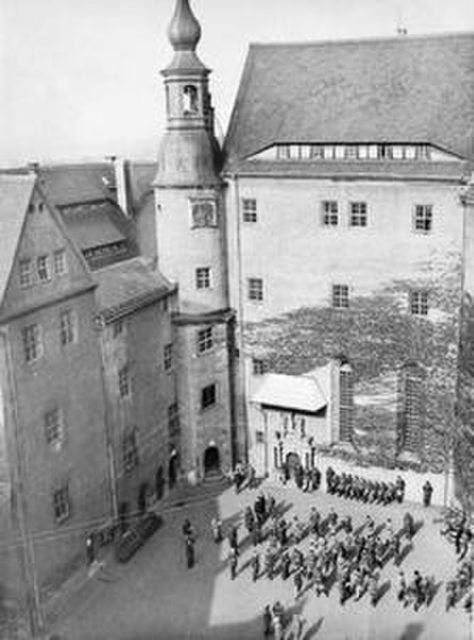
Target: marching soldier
(255, 566)
(233, 563)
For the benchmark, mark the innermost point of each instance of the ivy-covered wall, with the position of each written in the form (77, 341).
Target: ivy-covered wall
(378, 335)
(464, 441)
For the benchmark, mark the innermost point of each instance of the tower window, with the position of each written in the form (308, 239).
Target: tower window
(168, 357)
(330, 213)
(53, 427)
(203, 278)
(205, 340)
(124, 382)
(340, 296)
(423, 220)
(255, 289)
(61, 503)
(130, 451)
(208, 396)
(190, 100)
(249, 209)
(419, 303)
(358, 217)
(203, 213)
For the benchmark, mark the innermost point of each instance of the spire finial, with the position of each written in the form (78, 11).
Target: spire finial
(184, 31)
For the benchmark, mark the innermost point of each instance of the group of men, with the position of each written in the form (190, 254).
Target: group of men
(305, 479)
(460, 588)
(346, 485)
(420, 590)
(338, 554)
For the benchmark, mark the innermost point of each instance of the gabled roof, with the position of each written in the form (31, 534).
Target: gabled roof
(300, 393)
(403, 89)
(15, 195)
(128, 285)
(73, 183)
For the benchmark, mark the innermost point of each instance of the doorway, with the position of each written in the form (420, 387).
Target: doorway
(211, 461)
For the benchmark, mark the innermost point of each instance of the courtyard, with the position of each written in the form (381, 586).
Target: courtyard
(155, 596)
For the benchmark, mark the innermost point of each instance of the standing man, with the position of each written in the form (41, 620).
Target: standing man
(427, 492)
(90, 551)
(255, 566)
(233, 564)
(189, 552)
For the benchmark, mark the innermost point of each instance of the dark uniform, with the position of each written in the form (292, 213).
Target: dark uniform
(255, 566)
(427, 492)
(189, 552)
(233, 564)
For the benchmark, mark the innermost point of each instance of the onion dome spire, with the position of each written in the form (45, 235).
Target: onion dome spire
(184, 31)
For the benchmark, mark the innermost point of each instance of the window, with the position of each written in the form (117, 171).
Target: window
(249, 210)
(32, 345)
(358, 214)
(165, 304)
(43, 268)
(117, 328)
(203, 278)
(317, 152)
(25, 272)
(208, 396)
(340, 296)
(41, 206)
(61, 504)
(283, 152)
(419, 303)
(258, 366)
(31, 207)
(53, 427)
(173, 421)
(168, 357)
(423, 218)
(330, 213)
(255, 289)
(351, 152)
(67, 328)
(130, 451)
(259, 437)
(59, 258)
(204, 214)
(190, 100)
(346, 403)
(124, 382)
(204, 340)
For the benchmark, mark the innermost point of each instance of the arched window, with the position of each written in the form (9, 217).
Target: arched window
(409, 412)
(346, 403)
(190, 100)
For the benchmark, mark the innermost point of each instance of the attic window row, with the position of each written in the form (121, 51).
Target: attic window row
(40, 269)
(106, 250)
(353, 152)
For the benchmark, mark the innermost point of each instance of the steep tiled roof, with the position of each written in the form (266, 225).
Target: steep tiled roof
(15, 195)
(403, 89)
(93, 224)
(128, 285)
(72, 183)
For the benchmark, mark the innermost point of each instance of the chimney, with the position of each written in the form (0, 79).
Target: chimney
(121, 182)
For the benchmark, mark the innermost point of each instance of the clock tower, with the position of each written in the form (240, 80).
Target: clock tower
(192, 252)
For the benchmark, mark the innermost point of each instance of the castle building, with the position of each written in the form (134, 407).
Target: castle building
(301, 295)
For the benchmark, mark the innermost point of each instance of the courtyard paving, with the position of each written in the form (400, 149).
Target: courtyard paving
(155, 597)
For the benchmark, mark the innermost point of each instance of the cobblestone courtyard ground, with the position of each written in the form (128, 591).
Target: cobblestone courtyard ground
(155, 597)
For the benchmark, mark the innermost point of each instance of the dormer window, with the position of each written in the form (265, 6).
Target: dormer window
(190, 100)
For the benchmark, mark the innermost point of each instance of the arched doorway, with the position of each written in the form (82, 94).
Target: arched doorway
(173, 470)
(293, 462)
(211, 461)
(159, 483)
